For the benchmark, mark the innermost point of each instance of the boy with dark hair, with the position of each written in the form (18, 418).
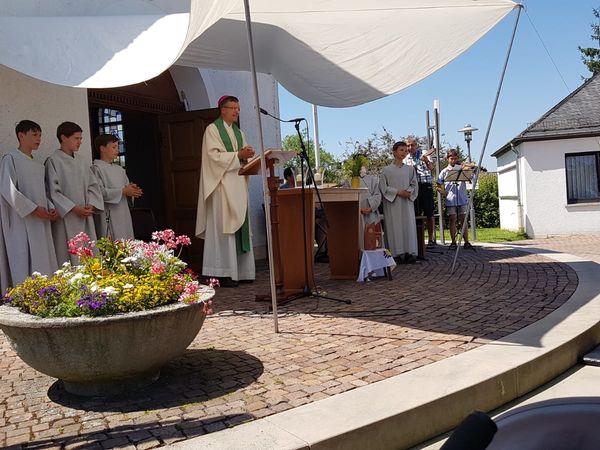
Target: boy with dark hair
(399, 188)
(26, 244)
(73, 189)
(115, 220)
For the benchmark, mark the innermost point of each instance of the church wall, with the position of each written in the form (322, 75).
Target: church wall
(23, 97)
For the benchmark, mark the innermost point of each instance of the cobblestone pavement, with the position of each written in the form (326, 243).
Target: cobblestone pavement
(238, 370)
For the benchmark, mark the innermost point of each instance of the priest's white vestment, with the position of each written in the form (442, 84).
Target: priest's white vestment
(112, 179)
(70, 182)
(399, 213)
(26, 244)
(222, 208)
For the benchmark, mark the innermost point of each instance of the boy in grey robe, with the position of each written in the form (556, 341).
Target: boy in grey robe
(26, 244)
(399, 186)
(74, 191)
(115, 220)
(369, 202)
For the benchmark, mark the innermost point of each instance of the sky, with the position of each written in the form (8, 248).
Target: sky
(467, 86)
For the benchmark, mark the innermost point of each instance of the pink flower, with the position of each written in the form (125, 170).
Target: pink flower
(81, 245)
(213, 282)
(157, 267)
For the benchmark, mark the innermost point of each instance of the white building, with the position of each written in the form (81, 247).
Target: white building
(549, 175)
(161, 122)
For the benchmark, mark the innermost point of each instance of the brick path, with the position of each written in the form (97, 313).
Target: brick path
(237, 369)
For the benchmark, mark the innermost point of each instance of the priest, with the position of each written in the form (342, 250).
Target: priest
(222, 215)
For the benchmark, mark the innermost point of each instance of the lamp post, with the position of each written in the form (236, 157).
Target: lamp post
(467, 130)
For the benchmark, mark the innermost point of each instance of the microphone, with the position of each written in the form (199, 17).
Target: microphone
(266, 113)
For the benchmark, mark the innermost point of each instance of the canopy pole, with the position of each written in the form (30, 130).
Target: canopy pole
(487, 133)
(263, 165)
(317, 148)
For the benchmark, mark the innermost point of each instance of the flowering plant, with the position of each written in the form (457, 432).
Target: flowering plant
(114, 277)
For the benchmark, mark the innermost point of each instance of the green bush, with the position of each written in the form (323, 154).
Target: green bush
(487, 210)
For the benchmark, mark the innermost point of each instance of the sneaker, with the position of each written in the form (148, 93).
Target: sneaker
(452, 246)
(431, 244)
(468, 246)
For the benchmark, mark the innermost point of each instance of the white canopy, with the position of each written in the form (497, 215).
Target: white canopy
(334, 53)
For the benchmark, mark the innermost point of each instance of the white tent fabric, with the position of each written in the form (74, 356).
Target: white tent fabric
(335, 53)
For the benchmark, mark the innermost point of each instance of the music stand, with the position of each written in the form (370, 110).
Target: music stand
(464, 174)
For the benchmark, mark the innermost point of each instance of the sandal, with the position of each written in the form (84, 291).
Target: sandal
(468, 246)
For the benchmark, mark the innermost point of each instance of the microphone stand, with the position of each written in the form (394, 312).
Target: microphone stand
(307, 291)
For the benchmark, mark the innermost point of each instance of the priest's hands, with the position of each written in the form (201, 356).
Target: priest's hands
(245, 153)
(366, 211)
(45, 214)
(132, 190)
(83, 211)
(403, 194)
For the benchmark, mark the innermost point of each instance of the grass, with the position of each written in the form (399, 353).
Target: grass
(492, 235)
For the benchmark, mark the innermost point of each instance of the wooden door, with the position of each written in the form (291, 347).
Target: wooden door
(181, 157)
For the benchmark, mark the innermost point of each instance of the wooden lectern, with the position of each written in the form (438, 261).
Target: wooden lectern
(287, 227)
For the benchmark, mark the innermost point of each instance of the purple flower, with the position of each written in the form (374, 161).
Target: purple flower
(93, 301)
(48, 290)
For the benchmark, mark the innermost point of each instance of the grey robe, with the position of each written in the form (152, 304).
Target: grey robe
(370, 199)
(399, 213)
(112, 179)
(26, 244)
(71, 182)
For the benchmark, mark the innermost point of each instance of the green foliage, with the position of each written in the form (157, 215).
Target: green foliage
(591, 55)
(333, 167)
(377, 149)
(353, 165)
(487, 209)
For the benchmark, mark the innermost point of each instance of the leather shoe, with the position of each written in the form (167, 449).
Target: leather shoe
(226, 282)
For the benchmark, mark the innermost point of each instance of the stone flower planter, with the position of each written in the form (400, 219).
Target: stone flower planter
(103, 355)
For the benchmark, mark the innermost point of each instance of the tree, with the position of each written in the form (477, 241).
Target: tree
(591, 55)
(377, 148)
(328, 161)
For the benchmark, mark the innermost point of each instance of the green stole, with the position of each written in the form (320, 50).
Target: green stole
(242, 236)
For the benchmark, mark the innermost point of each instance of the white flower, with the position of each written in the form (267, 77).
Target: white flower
(59, 272)
(127, 286)
(94, 287)
(129, 259)
(36, 274)
(66, 264)
(75, 278)
(109, 290)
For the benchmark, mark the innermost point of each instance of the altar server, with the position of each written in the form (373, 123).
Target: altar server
(115, 220)
(26, 244)
(73, 189)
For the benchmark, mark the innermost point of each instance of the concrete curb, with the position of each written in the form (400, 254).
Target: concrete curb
(410, 408)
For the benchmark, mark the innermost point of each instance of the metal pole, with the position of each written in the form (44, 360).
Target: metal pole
(472, 208)
(487, 133)
(316, 135)
(436, 136)
(263, 165)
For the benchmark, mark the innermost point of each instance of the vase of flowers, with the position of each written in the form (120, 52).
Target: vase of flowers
(353, 166)
(108, 324)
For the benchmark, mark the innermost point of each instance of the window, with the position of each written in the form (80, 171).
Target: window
(110, 121)
(582, 171)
